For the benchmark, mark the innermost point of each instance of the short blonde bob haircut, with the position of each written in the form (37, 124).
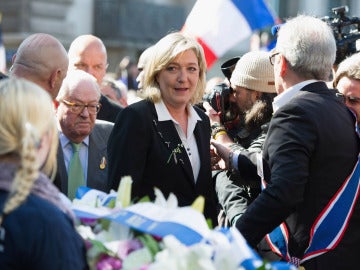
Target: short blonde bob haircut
(162, 54)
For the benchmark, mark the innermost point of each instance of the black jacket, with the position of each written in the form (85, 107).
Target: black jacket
(140, 146)
(109, 109)
(39, 236)
(310, 149)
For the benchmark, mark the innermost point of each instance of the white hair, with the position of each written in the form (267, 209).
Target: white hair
(309, 46)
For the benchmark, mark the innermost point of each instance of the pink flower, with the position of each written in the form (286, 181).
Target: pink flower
(128, 246)
(108, 263)
(88, 221)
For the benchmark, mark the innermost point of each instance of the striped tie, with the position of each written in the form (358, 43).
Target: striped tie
(76, 172)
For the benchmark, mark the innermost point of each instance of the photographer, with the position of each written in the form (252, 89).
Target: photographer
(238, 184)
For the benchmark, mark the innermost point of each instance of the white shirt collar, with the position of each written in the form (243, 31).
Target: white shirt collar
(164, 115)
(288, 94)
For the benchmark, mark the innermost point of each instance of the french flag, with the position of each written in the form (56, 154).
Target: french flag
(219, 25)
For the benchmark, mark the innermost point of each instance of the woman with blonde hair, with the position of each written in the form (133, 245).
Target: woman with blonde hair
(36, 228)
(163, 141)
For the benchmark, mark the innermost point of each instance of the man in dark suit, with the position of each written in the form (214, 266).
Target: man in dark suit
(88, 53)
(78, 105)
(310, 150)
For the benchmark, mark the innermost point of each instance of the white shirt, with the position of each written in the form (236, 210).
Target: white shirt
(288, 94)
(188, 140)
(68, 152)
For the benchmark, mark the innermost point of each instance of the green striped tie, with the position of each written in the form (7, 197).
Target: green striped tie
(76, 172)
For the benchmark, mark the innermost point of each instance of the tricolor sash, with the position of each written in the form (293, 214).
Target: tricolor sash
(328, 228)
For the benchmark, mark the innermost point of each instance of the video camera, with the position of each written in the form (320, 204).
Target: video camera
(219, 98)
(346, 31)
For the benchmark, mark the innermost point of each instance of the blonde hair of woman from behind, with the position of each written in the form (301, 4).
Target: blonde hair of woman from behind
(162, 54)
(26, 115)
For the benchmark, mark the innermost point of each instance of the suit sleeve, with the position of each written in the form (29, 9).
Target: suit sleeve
(127, 146)
(289, 144)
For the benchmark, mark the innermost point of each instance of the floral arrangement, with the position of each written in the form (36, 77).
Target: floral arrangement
(157, 235)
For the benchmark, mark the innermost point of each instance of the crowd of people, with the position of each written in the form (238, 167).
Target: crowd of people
(287, 178)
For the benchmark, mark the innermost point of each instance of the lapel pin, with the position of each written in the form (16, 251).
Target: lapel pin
(103, 163)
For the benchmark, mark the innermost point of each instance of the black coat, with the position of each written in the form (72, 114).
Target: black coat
(109, 109)
(140, 146)
(310, 149)
(39, 236)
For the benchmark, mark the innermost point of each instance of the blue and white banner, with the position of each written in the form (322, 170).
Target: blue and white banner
(185, 223)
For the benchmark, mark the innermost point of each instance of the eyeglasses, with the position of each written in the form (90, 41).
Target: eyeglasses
(272, 58)
(78, 108)
(349, 99)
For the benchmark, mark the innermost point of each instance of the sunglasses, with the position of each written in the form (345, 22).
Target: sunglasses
(78, 108)
(349, 99)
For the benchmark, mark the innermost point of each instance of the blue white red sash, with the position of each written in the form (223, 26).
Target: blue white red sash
(332, 222)
(278, 239)
(328, 228)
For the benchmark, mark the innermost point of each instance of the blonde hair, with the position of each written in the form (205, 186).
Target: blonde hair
(349, 67)
(26, 115)
(162, 54)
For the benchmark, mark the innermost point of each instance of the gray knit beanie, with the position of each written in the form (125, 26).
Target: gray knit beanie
(254, 71)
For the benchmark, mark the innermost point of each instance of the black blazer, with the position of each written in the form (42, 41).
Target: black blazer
(96, 175)
(109, 109)
(140, 146)
(310, 149)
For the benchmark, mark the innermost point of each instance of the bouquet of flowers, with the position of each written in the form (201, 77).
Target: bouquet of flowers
(157, 235)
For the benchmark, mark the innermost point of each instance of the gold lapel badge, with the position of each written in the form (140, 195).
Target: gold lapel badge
(102, 163)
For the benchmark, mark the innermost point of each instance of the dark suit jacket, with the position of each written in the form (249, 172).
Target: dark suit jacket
(96, 177)
(109, 109)
(140, 146)
(310, 149)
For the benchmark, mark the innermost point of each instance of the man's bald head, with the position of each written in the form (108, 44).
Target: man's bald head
(42, 59)
(88, 53)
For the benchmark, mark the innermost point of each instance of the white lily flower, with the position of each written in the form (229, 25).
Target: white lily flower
(177, 256)
(124, 192)
(170, 203)
(116, 231)
(85, 232)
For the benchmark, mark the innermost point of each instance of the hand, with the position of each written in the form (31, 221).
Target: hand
(222, 150)
(213, 115)
(215, 159)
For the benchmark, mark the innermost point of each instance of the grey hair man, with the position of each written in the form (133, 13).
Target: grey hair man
(302, 172)
(78, 127)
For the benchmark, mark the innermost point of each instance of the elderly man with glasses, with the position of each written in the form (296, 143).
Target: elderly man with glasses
(82, 154)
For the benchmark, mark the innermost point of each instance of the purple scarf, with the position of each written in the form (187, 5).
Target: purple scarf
(43, 187)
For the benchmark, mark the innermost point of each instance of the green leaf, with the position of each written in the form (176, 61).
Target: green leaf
(150, 243)
(105, 224)
(145, 199)
(97, 248)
